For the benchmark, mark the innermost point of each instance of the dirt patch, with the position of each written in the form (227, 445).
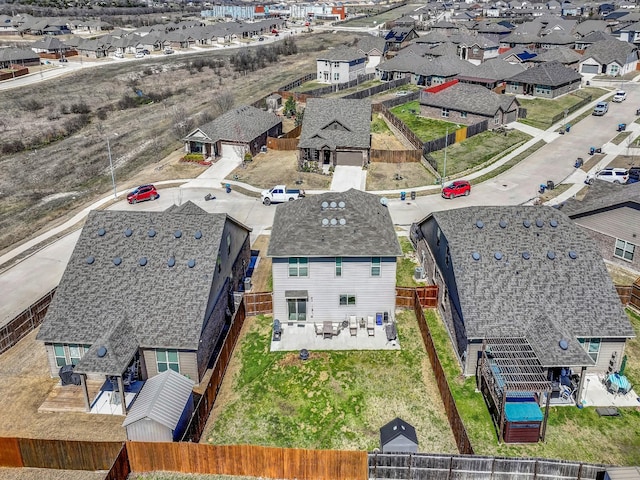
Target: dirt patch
(25, 382)
(261, 278)
(48, 474)
(625, 161)
(621, 275)
(386, 141)
(395, 176)
(276, 167)
(591, 161)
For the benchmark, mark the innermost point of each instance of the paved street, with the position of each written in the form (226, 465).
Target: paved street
(33, 276)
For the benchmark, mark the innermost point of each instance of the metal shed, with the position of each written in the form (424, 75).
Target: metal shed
(162, 410)
(398, 436)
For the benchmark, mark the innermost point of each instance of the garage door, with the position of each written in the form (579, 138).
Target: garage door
(349, 158)
(233, 151)
(589, 68)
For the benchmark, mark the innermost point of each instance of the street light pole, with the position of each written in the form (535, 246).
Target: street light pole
(113, 175)
(446, 144)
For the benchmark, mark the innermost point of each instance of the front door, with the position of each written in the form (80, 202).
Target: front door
(297, 309)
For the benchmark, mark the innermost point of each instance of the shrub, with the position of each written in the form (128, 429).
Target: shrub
(127, 102)
(76, 124)
(14, 146)
(192, 157)
(248, 157)
(80, 108)
(31, 105)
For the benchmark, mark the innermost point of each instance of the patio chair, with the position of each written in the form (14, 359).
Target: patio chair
(318, 328)
(566, 393)
(371, 326)
(353, 325)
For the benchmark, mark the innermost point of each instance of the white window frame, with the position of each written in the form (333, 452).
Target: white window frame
(167, 361)
(589, 345)
(444, 112)
(625, 248)
(59, 356)
(463, 114)
(376, 266)
(347, 300)
(298, 267)
(67, 356)
(338, 270)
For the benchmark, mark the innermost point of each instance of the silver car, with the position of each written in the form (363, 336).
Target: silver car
(601, 108)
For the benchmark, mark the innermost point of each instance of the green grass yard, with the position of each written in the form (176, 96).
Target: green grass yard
(334, 400)
(481, 149)
(572, 433)
(425, 128)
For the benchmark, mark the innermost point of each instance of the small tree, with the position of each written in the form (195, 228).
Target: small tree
(290, 107)
(299, 116)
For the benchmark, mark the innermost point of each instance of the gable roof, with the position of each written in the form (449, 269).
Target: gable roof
(550, 73)
(367, 229)
(590, 26)
(16, 54)
(240, 124)
(464, 97)
(602, 196)
(353, 117)
(162, 399)
(369, 43)
(341, 54)
(495, 69)
(396, 428)
(538, 298)
(94, 293)
(566, 56)
(609, 51)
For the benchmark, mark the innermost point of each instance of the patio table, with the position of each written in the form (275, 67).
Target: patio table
(619, 383)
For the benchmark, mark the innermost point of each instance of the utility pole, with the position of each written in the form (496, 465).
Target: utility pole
(446, 144)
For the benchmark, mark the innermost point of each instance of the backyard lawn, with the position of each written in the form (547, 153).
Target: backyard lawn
(572, 433)
(406, 265)
(481, 149)
(333, 400)
(425, 128)
(397, 176)
(540, 111)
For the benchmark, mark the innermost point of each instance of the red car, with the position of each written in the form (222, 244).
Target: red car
(457, 188)
(142, 193)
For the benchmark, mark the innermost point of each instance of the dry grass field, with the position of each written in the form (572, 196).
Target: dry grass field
(46, 183)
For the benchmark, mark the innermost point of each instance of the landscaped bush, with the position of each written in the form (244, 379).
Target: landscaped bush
(195, 158)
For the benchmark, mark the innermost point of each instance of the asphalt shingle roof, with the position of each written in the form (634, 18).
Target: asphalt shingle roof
(566, 56)
(497, 69)
(341, 54)
(608, 51)
(367, 230)
(469, 98)
(602, 195)
(550, 73)
(335, 123)
(518, 297)
(241, 124)
(164, 305)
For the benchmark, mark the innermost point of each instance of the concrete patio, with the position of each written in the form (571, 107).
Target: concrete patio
(596, 395)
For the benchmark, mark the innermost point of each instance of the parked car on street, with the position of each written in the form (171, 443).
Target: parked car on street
(118, 55)
(280, 193)
(620, 96)
(168, 51)
(601, 108)
(613, 175)
(634, 175)
(457, 188)
(139, 54)
(142, 193)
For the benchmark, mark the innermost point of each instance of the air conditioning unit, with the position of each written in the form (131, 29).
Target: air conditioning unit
(247, 284)
(419, 273)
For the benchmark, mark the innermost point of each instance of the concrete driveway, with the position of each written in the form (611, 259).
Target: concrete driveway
(346, 177)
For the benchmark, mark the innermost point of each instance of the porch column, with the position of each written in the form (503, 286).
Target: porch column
(546, 416)
(123, 402)
(85, 391)
(578, 397)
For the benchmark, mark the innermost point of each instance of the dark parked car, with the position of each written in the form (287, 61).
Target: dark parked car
(634, 175)
(142, 193)
(457, 188)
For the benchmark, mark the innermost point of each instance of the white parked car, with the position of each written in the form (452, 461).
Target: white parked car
(140, 54)
(613, 175)
(118, 55)
(620, 96)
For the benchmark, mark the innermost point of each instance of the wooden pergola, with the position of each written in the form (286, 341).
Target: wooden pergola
(508, 368)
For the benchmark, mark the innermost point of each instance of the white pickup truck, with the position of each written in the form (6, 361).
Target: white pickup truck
(279, 194)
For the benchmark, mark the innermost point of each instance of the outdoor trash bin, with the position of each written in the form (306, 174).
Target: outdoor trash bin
(622, 127)
(550, 184)
(228, 187)
(403, 195)
(579, 162)
(568, 127)
(543, 187)
(413, 195)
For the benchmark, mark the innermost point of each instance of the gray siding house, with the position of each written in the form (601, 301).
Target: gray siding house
(236, 132)
(610, 214)
(547, 80)
(519, 272)
(334, 255)
(609, 57)
(335, 131)
(469, 104)
(146, 292)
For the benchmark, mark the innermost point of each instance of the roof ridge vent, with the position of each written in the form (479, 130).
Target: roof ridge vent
(342, 221)
(503, 224)
(479, 224)
(539, 223)
(324, 205)
(325, 222)
(333, 204)
(341, 204)
(334, 222)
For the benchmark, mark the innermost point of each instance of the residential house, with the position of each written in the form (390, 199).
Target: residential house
(335, 131)
(7, 27)
(441, 70)
(50, 45)
(474, 48)
(492, 30)
(146, 292)
(518, 273)
(334, 256)
(566, 56)
(518, 55)
(398, 38)
(610, 214)
(239, 131)
(527, 40)
(557, 39)
(492, 74)
(546, 80)
(445, 28)
(583, 29)
(340, 65)
(18, 56)
(467, 104)
(373, 49)
(584, 42)
(609, 57)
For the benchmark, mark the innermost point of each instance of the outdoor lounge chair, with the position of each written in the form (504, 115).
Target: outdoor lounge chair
(371, 325)
(353, 325)
(318, 328)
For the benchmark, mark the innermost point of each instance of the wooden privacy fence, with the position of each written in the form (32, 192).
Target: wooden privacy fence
(427, 296)
(282, 143)
(383, 87)
(58, 454)
(298, 82)
(448, 467)
(248, 460)
(205, 404)
(295, 133)
(395, 156)
(120, 470)
(25, 322)
(258, 303)
(455, 421)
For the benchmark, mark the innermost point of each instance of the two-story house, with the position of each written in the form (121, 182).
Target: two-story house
(340, 65)
(334, 256)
